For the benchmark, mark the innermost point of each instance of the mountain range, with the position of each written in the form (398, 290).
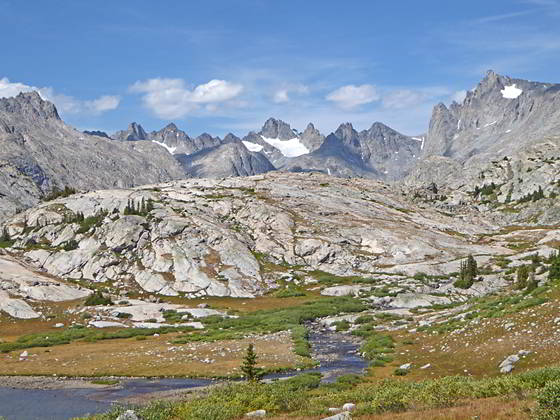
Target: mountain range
(464, 147)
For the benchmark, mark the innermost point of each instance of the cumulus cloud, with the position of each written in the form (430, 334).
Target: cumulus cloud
(351, 96)
(171, 98)
(283, 95)
(103, 103)
(9, 89)
(66, 104)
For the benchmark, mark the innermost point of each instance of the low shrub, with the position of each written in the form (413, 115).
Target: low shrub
(97, 298)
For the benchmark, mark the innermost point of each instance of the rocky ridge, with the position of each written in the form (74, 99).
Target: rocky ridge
(39, 152)
(239, 237)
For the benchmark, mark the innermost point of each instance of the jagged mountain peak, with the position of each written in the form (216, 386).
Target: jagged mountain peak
(30, 105)
(345, 130)
(499, 109)
(230, 138)
(170, 127)
(379, 127)
(277, 129)
(134, 132)
(205, 136)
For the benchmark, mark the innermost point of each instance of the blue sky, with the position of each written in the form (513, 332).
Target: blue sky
(221, 66)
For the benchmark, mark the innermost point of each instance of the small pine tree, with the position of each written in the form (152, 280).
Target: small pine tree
(467, 273)
(472, 267)
(522, 277)
(143, 206)
(249, 366)
(150, 205)
(127, 208)
(554, 270)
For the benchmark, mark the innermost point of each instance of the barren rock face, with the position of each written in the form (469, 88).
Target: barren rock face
(237, 236)
(20, 284)
(38, 152)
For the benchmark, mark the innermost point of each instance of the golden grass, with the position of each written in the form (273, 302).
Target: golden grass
(155, 356)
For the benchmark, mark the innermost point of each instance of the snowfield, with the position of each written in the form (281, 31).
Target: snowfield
(289, 148)
(169, 149)
(511, 92)
(252, 147)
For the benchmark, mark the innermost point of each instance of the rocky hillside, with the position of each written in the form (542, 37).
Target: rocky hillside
(39, 152)
(240, 236)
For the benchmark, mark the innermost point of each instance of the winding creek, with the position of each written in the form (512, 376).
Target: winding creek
(337, 354)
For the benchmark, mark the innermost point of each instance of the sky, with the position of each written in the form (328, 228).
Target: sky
(222, 66)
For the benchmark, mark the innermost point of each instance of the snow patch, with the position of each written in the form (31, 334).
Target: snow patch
(169, 149)
(252, 147)
(511, 92)
(289, 148)
(421, 139)
(489, 124)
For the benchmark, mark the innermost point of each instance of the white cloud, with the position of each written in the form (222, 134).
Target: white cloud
(351, 96)
(64, 103)
(103, 103)
(283, 95)
(171, 98)
(9, 89)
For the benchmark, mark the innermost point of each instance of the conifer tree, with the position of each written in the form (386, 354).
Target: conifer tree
(554, 270)
(522, 277)
(249, 366)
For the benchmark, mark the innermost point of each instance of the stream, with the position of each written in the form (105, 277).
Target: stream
(337, 354)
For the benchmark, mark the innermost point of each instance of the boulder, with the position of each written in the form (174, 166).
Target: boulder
(128, 415)
(256, 413)
(349, 407)
(348, 290)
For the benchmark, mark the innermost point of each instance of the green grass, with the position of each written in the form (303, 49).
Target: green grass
(172, 316)
(305, 396)
(331, 279)
(90, 222)
(105, 382)
(289, 292)
(342, 325)
(69, 335)
(217, 328)
(271, 320)
(300, 338)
